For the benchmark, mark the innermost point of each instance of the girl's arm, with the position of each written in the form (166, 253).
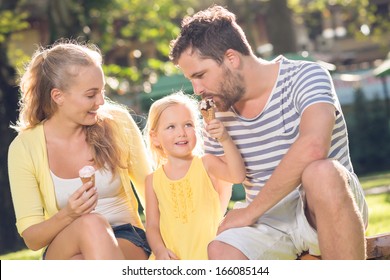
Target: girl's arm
(153, 234)
(230, 167)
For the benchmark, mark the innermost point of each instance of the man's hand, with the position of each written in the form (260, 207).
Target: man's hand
(235, 218)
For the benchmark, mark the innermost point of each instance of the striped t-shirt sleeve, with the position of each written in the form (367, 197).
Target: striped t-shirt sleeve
(312, 84)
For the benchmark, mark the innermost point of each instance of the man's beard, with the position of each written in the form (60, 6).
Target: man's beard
(231, 90)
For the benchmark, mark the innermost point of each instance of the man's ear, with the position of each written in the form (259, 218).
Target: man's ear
(57, 96)
(233, 58)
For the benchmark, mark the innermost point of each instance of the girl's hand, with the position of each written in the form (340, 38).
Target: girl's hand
(82, 201)
(166, 254)
(217, 130)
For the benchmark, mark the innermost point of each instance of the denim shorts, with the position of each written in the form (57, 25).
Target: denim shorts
(134, 234)
(129, 232)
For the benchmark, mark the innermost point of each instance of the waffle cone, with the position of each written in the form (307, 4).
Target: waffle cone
(208, 115)
(87, 179)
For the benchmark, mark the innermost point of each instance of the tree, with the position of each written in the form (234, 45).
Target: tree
(138, 52)
(370, 151)
(280, 27)
(371, 14)
(272, 22)
(9, 22)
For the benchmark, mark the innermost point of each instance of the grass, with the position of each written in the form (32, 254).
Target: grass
(379, 214)
(25, 254)
(375, 180)
(378, 205)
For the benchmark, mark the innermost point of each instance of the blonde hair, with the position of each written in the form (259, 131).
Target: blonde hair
(56, 67)
(155, 111)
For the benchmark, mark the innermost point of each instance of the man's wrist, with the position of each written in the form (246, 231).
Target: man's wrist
(251, 214)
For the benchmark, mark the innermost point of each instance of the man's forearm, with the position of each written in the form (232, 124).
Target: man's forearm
(287, 176)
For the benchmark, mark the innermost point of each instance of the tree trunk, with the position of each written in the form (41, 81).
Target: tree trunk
(280, 27)
(9, 238)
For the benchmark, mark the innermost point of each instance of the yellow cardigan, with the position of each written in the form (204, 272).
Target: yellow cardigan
(32, 187)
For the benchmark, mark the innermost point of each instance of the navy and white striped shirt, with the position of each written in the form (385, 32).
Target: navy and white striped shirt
(265, 139)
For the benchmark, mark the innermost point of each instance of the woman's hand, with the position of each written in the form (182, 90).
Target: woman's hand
(82, 201)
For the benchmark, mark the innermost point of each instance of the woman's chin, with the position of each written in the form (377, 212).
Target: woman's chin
(91, 119)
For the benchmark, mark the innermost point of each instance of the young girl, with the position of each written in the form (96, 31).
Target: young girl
(188, 194)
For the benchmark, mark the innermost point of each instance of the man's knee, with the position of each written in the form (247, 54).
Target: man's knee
(324, 170)
(218, 250)
(324, 173)
(326, 181)
(214, 250)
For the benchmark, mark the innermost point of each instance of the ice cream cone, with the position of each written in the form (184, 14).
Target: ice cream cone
(87, 173)
(87, 179)
(207, 109)
(208, 115)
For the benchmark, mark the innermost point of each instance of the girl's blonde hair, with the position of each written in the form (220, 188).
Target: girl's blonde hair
(56, 67)
(155, 111)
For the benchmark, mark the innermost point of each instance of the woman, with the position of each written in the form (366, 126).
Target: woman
(66, 123)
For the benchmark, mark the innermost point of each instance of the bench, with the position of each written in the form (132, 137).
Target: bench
(378, 248)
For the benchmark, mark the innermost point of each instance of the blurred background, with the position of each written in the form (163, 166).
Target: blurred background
(349, 38)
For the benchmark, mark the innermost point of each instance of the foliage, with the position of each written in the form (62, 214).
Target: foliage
(11, 22)
(276, 17)
(355, 13)
(370, 151)
(142, 30)
(139, 30)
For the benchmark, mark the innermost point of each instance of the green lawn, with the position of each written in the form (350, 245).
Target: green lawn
(378, 205)
(22, 255)
(375, 180)
(379, 214)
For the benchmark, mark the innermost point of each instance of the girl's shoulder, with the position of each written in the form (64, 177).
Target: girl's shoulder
(200, 160)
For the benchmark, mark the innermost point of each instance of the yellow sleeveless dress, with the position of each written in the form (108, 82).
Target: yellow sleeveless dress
(190, 211)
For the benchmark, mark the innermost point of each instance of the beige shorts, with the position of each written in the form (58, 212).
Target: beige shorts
(283, 232)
